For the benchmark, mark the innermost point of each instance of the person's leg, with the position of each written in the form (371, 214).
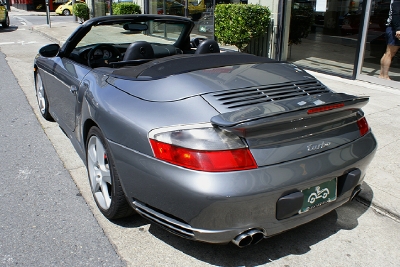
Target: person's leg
(386, 60)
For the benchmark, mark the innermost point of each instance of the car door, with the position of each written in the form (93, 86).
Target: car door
(62, 89)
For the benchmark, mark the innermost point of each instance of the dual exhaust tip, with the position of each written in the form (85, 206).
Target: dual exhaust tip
(249, 237)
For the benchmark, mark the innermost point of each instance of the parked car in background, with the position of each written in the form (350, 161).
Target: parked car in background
(172, 7)
(214, 147)
(65, 9)
(4, 18)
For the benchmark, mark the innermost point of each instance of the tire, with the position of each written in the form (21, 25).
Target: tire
(66, 12)
(41, 97)
(103, 177)
(6, 23)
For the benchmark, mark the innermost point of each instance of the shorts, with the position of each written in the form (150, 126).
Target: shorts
(391, 38)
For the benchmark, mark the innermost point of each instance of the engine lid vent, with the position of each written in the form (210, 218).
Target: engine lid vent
(234, 99)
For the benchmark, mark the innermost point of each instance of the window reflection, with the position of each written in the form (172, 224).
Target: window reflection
(200, 11)
(330, 42)
(375, 45)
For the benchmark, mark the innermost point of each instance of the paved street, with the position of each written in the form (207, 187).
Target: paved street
(356, 234)
(44, 219)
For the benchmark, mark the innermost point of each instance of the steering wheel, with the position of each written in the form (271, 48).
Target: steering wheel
(194, 42)
(96, 61)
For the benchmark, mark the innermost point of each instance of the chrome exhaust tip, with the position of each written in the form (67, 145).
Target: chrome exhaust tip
(355, 192)
(249, 237)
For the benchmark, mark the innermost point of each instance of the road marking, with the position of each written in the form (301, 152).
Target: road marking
(24, 43)
(20, 42)
(23, 21)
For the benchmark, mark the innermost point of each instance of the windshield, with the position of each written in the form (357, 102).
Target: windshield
(129, 32)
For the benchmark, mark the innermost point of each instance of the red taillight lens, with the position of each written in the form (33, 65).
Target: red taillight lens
(204, 160)
(325, 108)
(363, 126)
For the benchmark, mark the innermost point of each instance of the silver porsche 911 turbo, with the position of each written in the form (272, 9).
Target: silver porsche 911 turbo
(213, 146)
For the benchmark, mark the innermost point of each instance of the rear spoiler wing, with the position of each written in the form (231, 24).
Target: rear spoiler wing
(293, 111)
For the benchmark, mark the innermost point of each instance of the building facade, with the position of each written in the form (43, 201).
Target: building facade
(340, 37)
(346, 38)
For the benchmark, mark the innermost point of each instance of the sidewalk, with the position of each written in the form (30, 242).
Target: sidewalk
(382, 181)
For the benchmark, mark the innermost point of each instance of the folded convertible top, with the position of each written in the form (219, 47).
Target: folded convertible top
(177, 64)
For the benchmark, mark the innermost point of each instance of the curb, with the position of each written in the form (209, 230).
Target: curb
(51, 38)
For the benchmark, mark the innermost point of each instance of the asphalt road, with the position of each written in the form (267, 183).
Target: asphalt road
(44, 219)
(43, 209)
(38, 20)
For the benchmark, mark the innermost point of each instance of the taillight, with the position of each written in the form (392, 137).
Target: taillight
(363, 126)
(204, 149)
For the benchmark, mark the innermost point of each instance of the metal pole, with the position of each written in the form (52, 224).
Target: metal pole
(48, 13)
(164, 7)
(361, 43)
(92, 11)
(213, 19)
(73, 15)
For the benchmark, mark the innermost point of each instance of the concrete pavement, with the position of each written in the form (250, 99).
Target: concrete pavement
(382, 181)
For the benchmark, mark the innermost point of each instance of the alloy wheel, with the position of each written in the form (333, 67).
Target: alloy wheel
(40, 95)
(99, 172)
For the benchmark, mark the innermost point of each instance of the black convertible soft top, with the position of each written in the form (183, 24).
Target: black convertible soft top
(177, 64)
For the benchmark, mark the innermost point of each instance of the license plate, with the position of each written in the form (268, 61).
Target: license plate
(318, 195)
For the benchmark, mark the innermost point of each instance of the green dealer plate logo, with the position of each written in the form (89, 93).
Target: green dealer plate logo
(318, 195)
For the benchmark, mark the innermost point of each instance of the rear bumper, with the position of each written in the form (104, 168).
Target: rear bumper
(216, 207)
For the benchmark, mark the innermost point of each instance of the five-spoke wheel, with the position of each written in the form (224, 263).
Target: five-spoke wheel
(99, 172)
(103, 177)
(42, 97)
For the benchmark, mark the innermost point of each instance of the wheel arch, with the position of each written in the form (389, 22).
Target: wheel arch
(89, 123)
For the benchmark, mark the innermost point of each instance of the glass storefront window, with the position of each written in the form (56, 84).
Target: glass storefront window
(329, 42)
(375, 45)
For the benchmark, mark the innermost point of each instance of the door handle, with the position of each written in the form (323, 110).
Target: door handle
(73, 89)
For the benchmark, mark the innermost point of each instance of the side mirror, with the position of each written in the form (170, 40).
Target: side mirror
(50, 50)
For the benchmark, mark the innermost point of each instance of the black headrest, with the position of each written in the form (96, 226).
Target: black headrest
(139, 50)
(207, 46)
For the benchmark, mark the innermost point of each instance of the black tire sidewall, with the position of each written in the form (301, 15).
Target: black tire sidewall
(6, 23)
